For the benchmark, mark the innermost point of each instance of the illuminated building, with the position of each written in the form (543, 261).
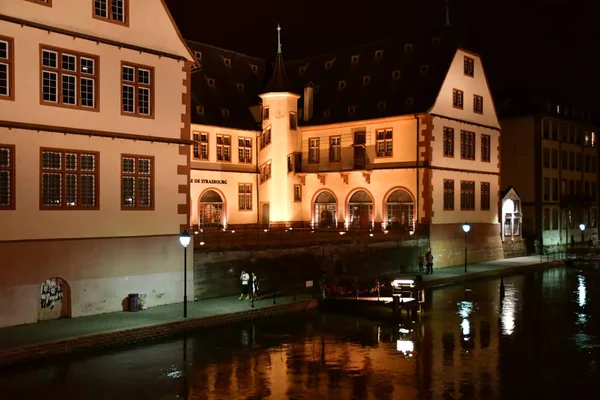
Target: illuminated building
(550, 156)
(94, 110)
(396, 134)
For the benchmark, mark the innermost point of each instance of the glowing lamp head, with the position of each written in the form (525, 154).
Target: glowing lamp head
(185, 239)
(466, 228)
(582, 227)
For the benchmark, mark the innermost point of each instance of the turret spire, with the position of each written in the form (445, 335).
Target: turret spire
(278, 39)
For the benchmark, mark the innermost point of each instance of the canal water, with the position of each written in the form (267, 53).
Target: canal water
(539, 342)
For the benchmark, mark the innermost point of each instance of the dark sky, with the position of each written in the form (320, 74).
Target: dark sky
(551, 45)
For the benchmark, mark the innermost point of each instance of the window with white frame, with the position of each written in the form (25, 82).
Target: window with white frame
(245, 196)
(384, 142)
(335, 149)
(224, 148)
(137, 90)
(137, 182)
(111, 10)
(7, 177)
(265, 138)
(201, 145)
(467, 195)
(265, 171)
(245, 150)
(457, 98)
(6, 68)
(69, 78)
(313, 150)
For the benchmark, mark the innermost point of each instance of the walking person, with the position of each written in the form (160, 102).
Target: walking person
(254, 286)
(421, 262)
(429, 259)
(245, 279)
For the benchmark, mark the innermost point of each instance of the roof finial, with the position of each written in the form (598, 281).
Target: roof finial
(278, 39)
(447, 13)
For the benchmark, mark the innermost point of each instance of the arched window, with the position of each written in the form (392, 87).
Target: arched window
(325, 211)
(361, 210)
(400, 211)
(211, 209)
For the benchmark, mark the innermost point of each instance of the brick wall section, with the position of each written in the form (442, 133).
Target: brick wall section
(184, 150)
(426, 157)
(135, 335)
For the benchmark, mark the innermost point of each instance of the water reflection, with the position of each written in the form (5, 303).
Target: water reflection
(468, 345)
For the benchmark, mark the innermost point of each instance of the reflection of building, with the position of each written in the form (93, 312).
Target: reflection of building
(393, 135)
(550, 156)
(93, 174)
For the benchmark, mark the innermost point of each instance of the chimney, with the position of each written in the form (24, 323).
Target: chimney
(308, 102)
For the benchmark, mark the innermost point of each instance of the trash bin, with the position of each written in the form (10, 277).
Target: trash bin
(134, 302)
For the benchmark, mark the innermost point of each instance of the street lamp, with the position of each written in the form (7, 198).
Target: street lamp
(582, 229)
(185, 239)
(466, 228)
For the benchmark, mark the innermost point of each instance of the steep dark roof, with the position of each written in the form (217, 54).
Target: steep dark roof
(397, 81)
(524, 103)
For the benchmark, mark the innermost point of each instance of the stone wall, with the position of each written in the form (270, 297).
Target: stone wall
(217, 273)
(514, 248)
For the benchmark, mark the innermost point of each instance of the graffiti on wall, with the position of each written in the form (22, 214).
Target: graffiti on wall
(52, 292)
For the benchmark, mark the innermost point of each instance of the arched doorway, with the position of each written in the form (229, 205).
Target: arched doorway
(210, 211)
(55, 299)
(400, 208)
(325, 210)
(360, 206)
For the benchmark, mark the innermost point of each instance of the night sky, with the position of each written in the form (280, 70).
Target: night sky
(544, 46)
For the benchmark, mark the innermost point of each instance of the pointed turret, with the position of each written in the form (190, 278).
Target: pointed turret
(278, 81)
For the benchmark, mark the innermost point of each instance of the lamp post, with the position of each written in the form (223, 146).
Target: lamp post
(466, 228)
(184, 239)
(582, 229)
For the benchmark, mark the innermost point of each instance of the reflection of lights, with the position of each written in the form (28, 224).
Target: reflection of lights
(201, 243)
(464, 310)
(508, 315)
(400, 282)
(342, 233)
(378, 334)
(405, 346)
(466, 328)
(581, 289)
(370, 234)
(404, 330)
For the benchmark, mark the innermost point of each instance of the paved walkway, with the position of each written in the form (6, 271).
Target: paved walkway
(50, 331)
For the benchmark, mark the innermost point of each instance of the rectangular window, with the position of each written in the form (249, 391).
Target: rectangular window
(265, 112)
(245, 196)
(554, 189)
(69, 79)
(297, 193)
(554, 159)
(290, 163)
(313, 151)
(545, 129)
(578, 162)
(7, 90)
(467, 195)
(562, 133)
(112, 10)
(547, 219)
(457, 98)
(137, 90)
(469, 66)
(563, 187)
(265, 171)
(384, 143)
(587, 163)
(245, 150)
(137, 182)
(265, 138)
(486, 141)
(594, 193)
(335, 149)
(578, 188)
(554, 132)
(293, 121)
(448, 195)
(594, 166)
(7, 177)
(467, 145)
(546, 189)
(564, 160)
(571, 161)
(485, 195)
(69, 180)
(224, 148)
(477, 104)
(586, 189)
(546, 157)
(448, 142)
(555, 218)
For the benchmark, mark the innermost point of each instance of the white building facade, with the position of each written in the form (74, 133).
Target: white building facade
(94, 164)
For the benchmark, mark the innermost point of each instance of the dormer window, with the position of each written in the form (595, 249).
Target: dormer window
(224, 112)
(436, 41)
(302, 70)
(254, 68)
(351, 110)
(410, 101)
(210, 82)
(366, 80)
(198, 55)
(424, 69)
(326, 113)
(328, 65)
(227, 62)
(396, 75)
(200, 110)
(240, 87)
(378, 54)
(341, 84)
(354, 59)
(408, 48)
(558, 108)
(381, 105)
(194, 67)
